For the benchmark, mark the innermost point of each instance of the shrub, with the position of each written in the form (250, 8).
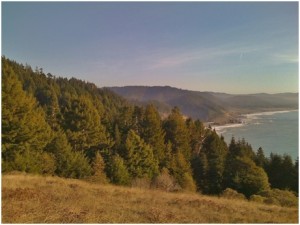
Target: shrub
(165, 182)
(232, 194)
(257, 198)
(280, 197)
(33, 162)
(188, 183)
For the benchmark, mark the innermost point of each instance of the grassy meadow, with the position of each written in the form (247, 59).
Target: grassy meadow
(37, 199)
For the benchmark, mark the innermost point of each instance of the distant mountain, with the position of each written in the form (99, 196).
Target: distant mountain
(207, 106)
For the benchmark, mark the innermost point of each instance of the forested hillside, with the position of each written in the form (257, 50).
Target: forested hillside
(71, 128)
(207, 106)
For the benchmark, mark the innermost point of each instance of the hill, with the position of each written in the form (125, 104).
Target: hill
(207, 106)
(72, 129)
(37, 199)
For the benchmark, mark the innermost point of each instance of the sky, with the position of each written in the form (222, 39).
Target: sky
(232, 47)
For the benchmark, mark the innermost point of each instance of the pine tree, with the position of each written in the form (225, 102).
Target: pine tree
(118, 172)
(153, 133)
(83, 126)
(180, 168)
(68, 163)
(98, 167)
(260, 158)
(24, 129)
(177, 133)
(200, 169)
(139, 157)
(215, 150)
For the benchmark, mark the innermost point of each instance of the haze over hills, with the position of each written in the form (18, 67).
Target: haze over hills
(207, 106)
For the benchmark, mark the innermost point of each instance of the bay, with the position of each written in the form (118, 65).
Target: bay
(275, 132)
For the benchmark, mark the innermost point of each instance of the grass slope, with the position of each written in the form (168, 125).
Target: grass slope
(37, 199)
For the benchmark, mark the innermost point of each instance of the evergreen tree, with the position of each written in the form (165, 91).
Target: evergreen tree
(139, 157)
(260, 158)
(24, 129)
(98, 167)
(83, 126)
(247, 178)
(241, 172)
(197, 134)
(177, 133)
(117, 138)
(281, 172)
(153, 133)
(118, 172)
(295, 177)
(68, 163)
(215, 150)
(200, 171)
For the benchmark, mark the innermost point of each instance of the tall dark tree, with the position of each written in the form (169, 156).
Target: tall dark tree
(177, 133)
(153, 133)
(215, 150)
(241, 173)
(260, 158)
(281, 172)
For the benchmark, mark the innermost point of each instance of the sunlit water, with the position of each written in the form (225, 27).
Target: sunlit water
(275, 132)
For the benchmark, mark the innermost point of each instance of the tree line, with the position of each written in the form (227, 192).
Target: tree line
(71, 128)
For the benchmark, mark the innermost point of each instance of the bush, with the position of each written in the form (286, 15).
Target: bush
(165, 182)
(257, 198)
(280, 197)
(32, 162)
(232, 194)
(188, 183)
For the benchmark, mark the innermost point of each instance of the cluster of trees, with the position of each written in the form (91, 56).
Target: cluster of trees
(71, 128)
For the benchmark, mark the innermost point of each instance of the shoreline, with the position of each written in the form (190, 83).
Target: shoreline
(268, 113)
(247, 116)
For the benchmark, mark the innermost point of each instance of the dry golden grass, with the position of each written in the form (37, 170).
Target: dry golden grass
(36, 199)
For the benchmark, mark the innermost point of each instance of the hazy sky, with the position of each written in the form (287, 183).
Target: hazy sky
(225, 47)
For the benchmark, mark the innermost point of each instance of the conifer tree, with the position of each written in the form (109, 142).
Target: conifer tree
(200, 169)
(98, 167)
(215, 150)
(180, 168)
(68, 163)
(177, 133)
(139, 157)
(197, 134)
(83, 126)
(153, 133)
(118, 172)
(24, 129)
(247, 178)
(260, 158)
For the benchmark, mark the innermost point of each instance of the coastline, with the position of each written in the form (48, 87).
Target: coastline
(268, 113)
(245, 120)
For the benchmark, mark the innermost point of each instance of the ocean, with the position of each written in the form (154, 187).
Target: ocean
(275, 132)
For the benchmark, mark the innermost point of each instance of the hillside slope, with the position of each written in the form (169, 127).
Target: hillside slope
(207, 106)
(37, 199)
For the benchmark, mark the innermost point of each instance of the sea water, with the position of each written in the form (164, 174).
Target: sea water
(275, 132)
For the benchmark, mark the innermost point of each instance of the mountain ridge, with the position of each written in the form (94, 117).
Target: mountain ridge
(207, 106)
